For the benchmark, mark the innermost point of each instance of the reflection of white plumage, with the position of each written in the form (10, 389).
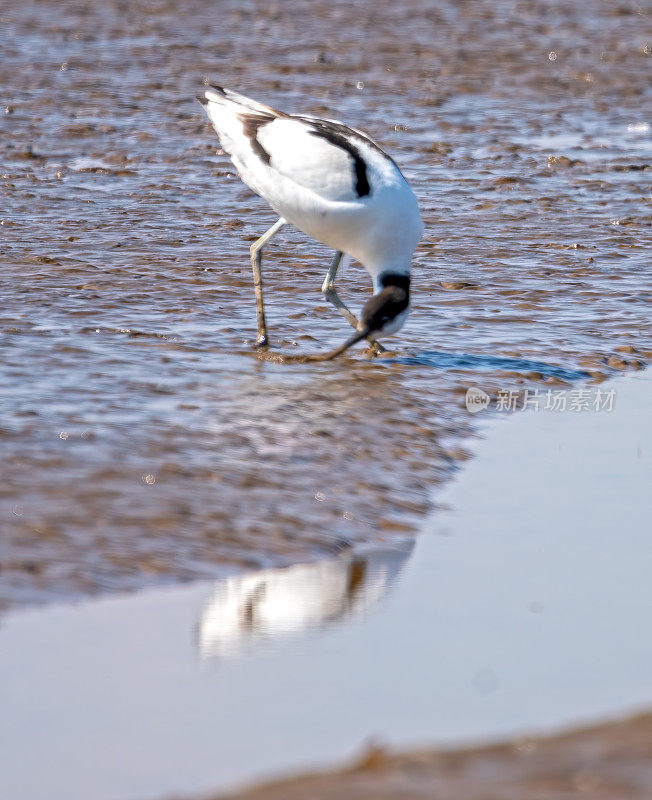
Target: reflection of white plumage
(247, 607)
(335, 184)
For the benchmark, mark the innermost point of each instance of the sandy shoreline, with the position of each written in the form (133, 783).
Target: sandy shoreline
(610, 761)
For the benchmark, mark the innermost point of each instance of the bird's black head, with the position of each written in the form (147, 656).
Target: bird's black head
(383, 314)
(388, 309)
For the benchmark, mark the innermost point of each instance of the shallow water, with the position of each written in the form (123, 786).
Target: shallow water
(141, 440)
(483, 631)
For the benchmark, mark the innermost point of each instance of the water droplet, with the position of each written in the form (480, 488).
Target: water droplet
(552, 56)
(485, 681)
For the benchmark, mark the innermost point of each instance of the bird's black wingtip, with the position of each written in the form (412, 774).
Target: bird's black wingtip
(203, 100)
(219, 89)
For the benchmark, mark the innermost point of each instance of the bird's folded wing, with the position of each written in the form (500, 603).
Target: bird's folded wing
(316, 155)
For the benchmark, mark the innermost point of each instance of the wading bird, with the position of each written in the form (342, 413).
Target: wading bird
(335, 184)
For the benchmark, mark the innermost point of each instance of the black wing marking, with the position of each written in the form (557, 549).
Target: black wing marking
(335, 135)
(251, 124)
(347, 139)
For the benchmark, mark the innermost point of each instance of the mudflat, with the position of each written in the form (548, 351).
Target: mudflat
(142, 440)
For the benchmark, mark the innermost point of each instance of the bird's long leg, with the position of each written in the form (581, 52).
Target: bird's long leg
(256, 261)
(330, 293)
(328, 288)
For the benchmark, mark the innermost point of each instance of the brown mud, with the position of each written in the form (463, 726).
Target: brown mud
(605, 762)
(141, 439)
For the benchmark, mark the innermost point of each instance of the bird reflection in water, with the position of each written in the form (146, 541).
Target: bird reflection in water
(245, 609)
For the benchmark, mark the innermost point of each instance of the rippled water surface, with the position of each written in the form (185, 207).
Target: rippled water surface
(141, 438)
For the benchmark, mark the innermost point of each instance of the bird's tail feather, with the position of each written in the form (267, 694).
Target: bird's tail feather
(218, 94)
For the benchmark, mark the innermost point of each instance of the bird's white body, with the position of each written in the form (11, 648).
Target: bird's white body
(314, 174)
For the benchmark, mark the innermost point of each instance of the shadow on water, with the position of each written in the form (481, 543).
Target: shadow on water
(439, 360)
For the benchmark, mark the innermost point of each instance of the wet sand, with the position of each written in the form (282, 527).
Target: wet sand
(142, 441)
(604, 762)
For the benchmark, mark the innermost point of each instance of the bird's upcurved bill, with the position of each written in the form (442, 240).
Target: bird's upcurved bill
(281, 358)
(348, 343)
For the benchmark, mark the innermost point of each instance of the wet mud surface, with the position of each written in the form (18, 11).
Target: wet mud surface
(141, 438)
(605, 762)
